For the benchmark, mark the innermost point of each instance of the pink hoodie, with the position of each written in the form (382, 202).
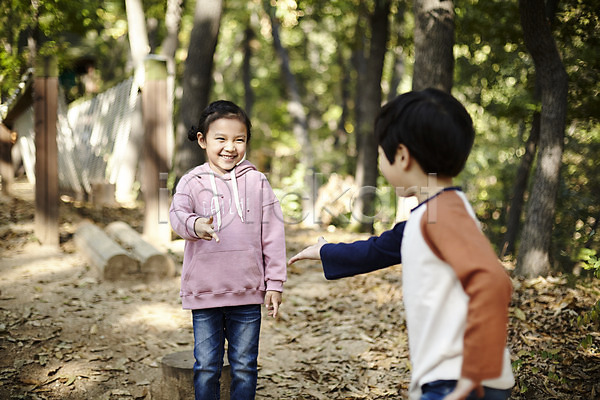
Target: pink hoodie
(250, 256)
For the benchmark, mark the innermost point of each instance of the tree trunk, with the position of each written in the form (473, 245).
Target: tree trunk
(138, 35)
(341, 134)
(434, 41)
(534, 251)
(397, 73)
(168, 48)
(197, 81)
(398, 67)
(247, 70)
(299, 118)
(434, 57)
(520, 186)
(172, 23)
(363, 210)
(247, 75)
(359, 62)
(33, 34)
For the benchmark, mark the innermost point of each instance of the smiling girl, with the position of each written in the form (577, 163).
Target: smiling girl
(234, 257)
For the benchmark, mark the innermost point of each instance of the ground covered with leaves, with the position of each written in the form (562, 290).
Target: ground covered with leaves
(67, 334)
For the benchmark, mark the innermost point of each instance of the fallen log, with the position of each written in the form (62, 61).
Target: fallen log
(112, 261)
(177, 381)
(153, 263)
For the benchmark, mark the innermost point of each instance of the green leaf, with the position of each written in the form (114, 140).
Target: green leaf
(518, 313)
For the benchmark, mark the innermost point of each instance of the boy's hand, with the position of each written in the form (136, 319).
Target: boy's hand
(463, 388)
(310, 253)
(272, 302)
(204, 230)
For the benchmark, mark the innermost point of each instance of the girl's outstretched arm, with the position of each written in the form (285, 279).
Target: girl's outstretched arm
(204, 230)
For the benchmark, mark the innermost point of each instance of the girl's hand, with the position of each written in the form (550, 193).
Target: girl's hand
(272, 302)
(204, 230)
(310, 253)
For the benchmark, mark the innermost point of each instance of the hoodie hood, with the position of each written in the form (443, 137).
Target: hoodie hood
(231, 178)
(242, 168)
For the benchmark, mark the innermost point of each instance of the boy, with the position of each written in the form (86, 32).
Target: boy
(455, 291)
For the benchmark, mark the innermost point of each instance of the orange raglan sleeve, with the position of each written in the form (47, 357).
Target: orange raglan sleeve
(455, 237)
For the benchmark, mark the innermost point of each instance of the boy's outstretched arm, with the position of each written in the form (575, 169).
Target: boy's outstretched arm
(341, 260)
(312, 252)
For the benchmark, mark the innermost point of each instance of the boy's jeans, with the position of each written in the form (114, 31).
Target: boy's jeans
(439, 389)
(240, 325)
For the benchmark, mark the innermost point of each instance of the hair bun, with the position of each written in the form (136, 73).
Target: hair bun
(193, 133)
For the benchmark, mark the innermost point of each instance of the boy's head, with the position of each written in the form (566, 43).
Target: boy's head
(433, 125)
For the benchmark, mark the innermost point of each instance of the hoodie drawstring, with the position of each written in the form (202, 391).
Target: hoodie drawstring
(236, 195)
(215, 200)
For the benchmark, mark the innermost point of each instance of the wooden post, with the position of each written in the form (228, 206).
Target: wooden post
(7, 139)
(155, 164)
(45, 107)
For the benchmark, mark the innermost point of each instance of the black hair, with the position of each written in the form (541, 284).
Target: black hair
(433, 125)
(217, 110)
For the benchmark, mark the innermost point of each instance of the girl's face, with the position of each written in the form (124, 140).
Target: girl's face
(225, 144)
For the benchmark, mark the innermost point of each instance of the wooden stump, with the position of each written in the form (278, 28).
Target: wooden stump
(112, 260)
(178, 378)
(103, 194)
(153, 263)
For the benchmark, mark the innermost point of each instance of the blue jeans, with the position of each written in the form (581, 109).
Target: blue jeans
(240, 325)
(437, 390)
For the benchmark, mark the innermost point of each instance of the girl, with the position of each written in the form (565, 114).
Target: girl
(234, 257)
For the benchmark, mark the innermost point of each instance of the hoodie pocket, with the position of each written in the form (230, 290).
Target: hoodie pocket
(224, 272)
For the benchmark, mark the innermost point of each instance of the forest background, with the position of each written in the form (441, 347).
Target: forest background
(312, 75)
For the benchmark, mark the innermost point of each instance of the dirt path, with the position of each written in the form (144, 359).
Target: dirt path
(66, 334)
